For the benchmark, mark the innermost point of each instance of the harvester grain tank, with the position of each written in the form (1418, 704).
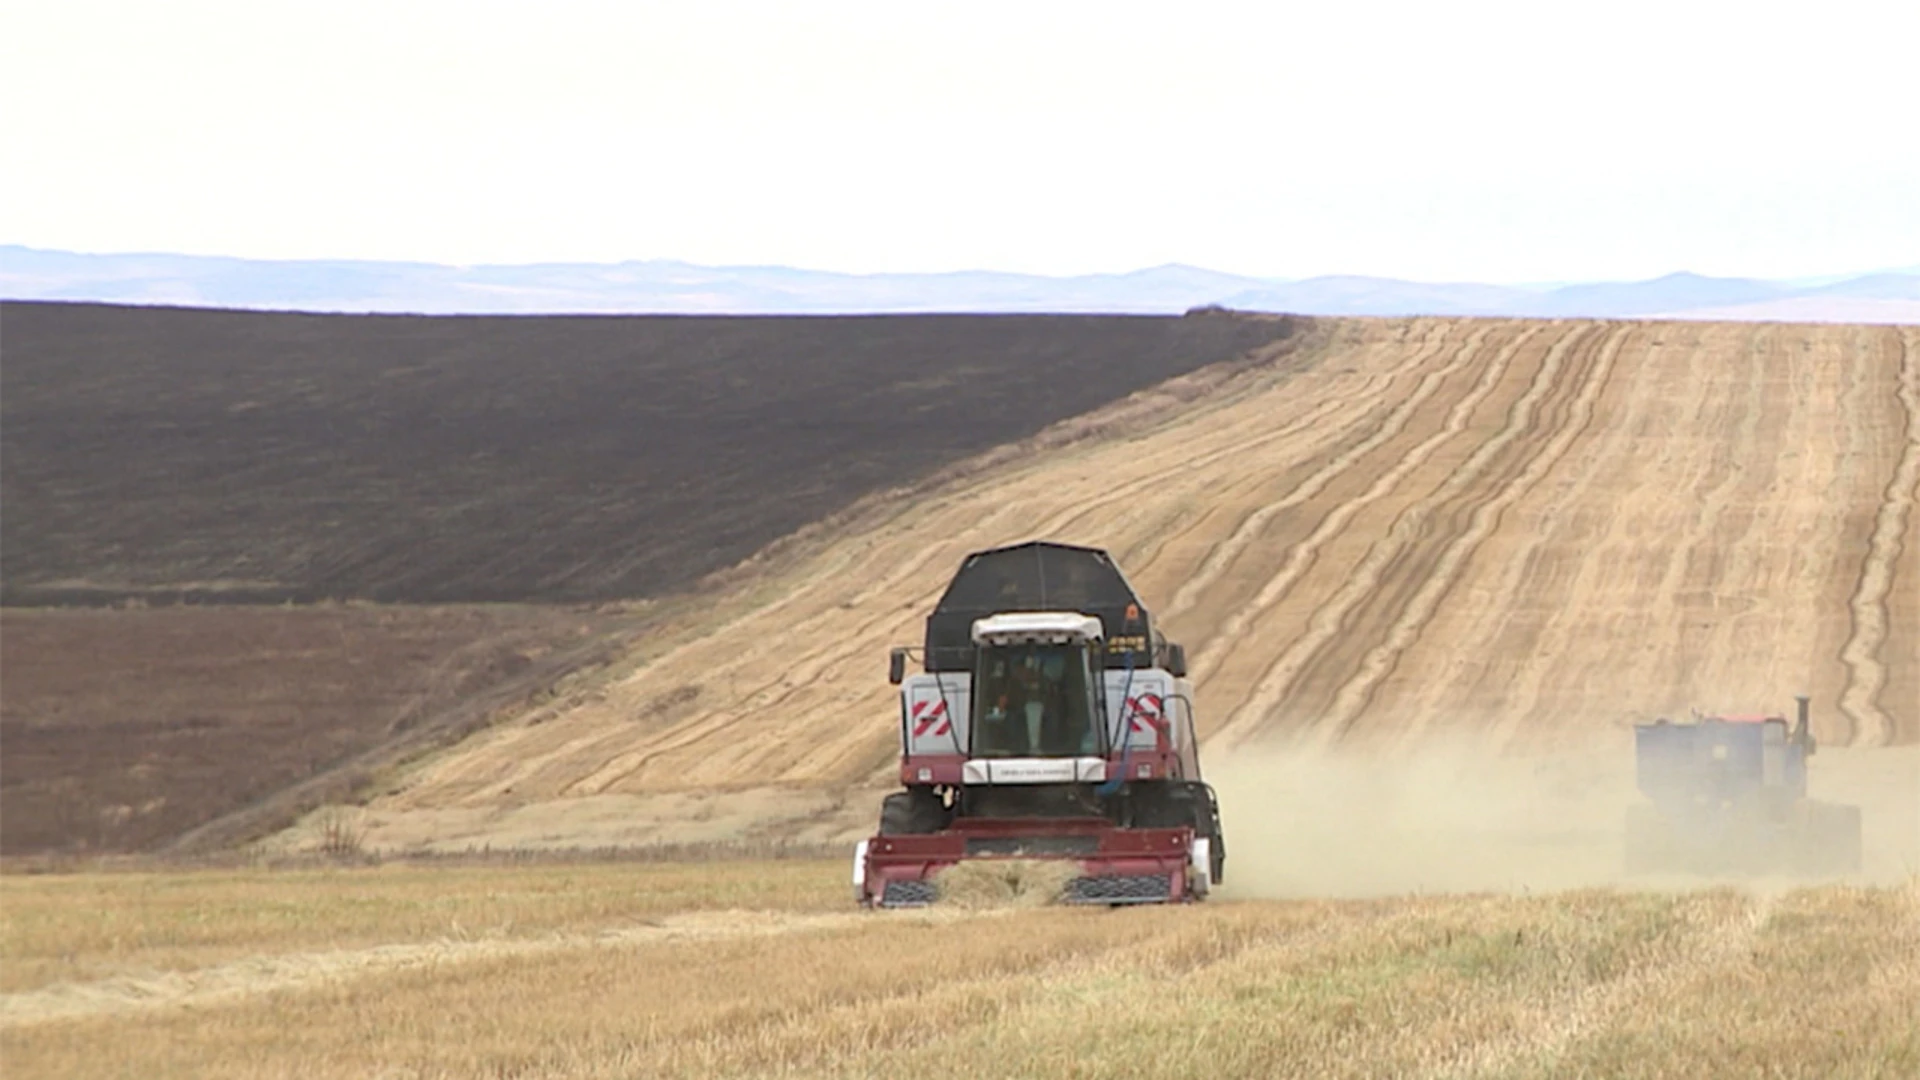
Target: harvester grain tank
(1728, 795)
(1051, 721)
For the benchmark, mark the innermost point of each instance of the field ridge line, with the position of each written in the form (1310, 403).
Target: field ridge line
(1380, 661)
(1524, 687)
(1274, 682)
(1866, 671)
(1301, 555)
(1226, 551)
(721, 717)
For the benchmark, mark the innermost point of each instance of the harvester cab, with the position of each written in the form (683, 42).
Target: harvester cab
(1051, 722)
(1728, 794)
(1034, 686)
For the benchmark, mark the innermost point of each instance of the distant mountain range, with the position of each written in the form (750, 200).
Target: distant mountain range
(1891, 296)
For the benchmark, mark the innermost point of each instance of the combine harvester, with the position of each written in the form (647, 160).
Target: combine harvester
(1052, 722)
(1729, 796)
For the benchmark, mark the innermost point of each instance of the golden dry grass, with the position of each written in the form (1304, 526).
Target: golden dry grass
(1817, 982)
(68, 927)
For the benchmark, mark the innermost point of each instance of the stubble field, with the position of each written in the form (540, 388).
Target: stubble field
(760, 969)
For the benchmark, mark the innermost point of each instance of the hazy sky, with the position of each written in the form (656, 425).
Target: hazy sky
(1506, 142)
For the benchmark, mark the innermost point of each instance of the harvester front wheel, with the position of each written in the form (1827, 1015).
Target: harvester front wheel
(1184, 802)
(913, 812)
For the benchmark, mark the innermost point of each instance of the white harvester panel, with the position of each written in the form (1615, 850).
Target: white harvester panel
(1136, 708)
(935, 710)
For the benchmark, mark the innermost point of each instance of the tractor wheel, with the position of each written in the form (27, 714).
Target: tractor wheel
(1159, 806)
(1207, 819)
(1828, 841)
(1649, 842)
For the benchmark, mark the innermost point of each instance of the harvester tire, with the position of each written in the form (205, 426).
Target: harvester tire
(1175, 803)
(914, 812)
(1217, 838)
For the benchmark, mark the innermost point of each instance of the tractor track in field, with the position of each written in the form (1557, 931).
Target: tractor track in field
(805, 670)
(802, 672)
(255, 976)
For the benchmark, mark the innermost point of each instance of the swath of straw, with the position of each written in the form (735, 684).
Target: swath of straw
(990, 883)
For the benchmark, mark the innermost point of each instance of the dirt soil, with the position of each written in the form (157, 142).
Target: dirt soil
(125, 729)
(258, 457)
(1526, 534)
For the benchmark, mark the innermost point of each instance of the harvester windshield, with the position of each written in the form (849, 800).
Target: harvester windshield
(1035, 700)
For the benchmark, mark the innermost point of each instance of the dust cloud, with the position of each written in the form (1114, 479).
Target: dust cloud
(1450, 816)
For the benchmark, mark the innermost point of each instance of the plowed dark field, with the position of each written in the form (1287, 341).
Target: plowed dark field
(122, 730)
(248, 457)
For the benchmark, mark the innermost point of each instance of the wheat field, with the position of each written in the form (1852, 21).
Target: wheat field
(1529, 533)
(762, 969)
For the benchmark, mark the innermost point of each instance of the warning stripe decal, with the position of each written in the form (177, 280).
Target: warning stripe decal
(1145, 712)
(926, 714)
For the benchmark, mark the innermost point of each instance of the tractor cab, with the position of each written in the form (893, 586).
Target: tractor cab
(1719, 760)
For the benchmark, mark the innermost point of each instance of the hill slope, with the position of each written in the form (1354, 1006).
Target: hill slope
(1533, 532)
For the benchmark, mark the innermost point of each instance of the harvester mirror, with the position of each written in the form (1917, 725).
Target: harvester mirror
(1177, 659)
(897, 666)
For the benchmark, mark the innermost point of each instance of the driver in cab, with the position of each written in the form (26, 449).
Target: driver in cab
(1030, 706)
